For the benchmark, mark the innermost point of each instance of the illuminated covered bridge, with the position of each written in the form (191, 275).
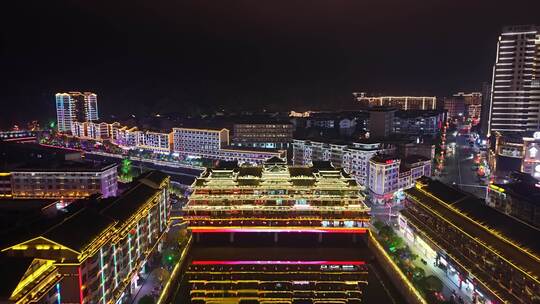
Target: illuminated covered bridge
(275, 197)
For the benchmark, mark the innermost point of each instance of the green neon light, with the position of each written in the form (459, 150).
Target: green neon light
(115, 267)
(102, 275)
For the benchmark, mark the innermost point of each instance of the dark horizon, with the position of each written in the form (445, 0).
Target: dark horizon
(191, 56)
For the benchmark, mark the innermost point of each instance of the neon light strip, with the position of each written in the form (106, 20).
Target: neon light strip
(115, 267)
(58, 299)
(20, 138)
(102, 275)
(278, 262)
(138, 241)
(129, 253)
(80, 286)
(149, 228)
(293, 230)
(60, 147)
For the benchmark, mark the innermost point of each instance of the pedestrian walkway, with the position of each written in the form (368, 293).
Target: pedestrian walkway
(151, 286)
(430, 268)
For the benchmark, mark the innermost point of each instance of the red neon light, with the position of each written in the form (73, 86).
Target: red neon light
(278, 262)
(80, 285)
(389, 161)
(280, 230)
(20, 138)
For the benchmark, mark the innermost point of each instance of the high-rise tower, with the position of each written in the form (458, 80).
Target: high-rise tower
(75, 107)
(515, 91)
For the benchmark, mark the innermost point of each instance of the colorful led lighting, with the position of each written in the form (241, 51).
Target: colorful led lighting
(81, 297)
(58, 298)
(202, 262)
(102, 275)
(280, 230)
(115, 267)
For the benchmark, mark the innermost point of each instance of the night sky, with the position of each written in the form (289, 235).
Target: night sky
(178, 56)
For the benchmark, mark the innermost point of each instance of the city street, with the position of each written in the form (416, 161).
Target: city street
(458, 170)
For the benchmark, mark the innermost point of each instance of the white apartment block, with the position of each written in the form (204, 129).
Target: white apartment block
(515, 95)
(389, 174)
(199, 142)
(353, 158)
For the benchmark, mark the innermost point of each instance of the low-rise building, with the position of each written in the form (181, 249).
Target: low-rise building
(419, 122)
(157, 142)
(214, 145)
(199, 142)
(269, 134)
(65, 180)
(389, 175)
(520, 199)
(381, 122)
(353, 158)
(484, 251)
(98, 246)
(400, 102)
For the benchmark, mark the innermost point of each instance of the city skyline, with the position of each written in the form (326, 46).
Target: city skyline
(192, 57)
(295, 152)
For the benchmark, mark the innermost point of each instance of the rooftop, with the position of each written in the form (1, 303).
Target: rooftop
(68, 166)
(516, 241)
(529, 192)
(13, 269)
(85, 219)
(384, 158)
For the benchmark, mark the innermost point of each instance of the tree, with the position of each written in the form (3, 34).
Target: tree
(418, 273)
(169, 257)
(432, 283)
(147, 299)
(378, 224)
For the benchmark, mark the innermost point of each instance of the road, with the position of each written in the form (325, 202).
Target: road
(178, 172)
(458, 168)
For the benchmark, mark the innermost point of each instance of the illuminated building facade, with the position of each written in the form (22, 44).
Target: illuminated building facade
(98, 131)
(474, 111)
(519, 199)
(531, 155)
(515, 152)
(214, 144)
(274, 197)
(158, 142)
(418, 122)
(477, 246)
(515, 98)
(272, 135)
(75, 107)
(353, 158)
(400, 102)
(19, 135)
(455, 106)
(126, 137)
(389, 174)
(277, 281)
(65, 181)
(100, 247)
(199, 142)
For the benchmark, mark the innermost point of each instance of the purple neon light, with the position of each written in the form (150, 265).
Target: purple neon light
(205, 262)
